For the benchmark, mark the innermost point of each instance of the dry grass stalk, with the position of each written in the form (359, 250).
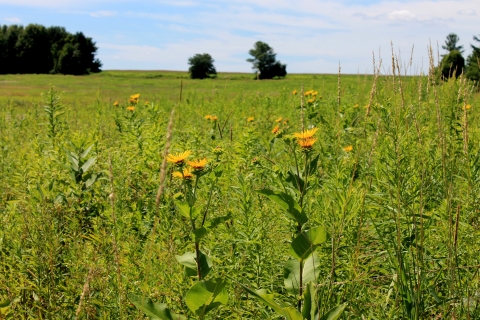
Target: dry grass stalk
(85, 291)
(163, 169)
(339, 85)
(393, 69)
(376, 73)
(301, 108)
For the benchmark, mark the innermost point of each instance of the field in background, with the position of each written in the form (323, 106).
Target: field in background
(395, 185)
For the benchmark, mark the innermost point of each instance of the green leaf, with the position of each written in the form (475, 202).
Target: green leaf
(287, 202)
(86, 152)
(88, 164)
(312, 166)
(199, 233)
(212, 223)
(153, 310)
(4, 304)
(189, 261)
(73, 160)
(291, 313)
(91, 180)
(334, 313)
(266, 298)
(309, 310)
(183, 208)
(305, 242)
(206, 295)
(291, 273)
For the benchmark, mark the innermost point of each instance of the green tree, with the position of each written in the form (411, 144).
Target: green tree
(33, 50)
(201, 66)
(452, 65)
(451, 43)
(473, 63)
(264, 61)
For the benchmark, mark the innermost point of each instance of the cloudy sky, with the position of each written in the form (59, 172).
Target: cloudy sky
(310, 36)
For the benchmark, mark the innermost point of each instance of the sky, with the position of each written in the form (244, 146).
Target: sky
(309, 36)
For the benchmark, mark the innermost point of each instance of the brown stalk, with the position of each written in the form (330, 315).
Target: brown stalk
(163, 168)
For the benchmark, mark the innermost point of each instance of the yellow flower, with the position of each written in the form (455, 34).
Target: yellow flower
(276, 130)
(134, 98)
(146, 103)
(130, 108)
(198, 165)
(311, 100)
(208, 117)
(348, 148)
(356, 106)
(314, 93)
(279, 119)
(116, 104)
(294, 92)
(467, 107)
(185, 175)
(305, 134)
(309, 92)
(214, 118)
(250, 119)
(306, 144)
(179, 158)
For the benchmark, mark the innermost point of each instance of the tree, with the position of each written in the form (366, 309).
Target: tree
(201, 66)
(451, 43)
(452, 65)
(473, 63)
(265, 63)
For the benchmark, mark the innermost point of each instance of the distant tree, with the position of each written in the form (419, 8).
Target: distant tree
(473, 63)
(36, 49)
(452, 65)
(451, 43)
(201, 66)
(264, 61)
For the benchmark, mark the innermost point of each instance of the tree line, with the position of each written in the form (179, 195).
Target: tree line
(453, 64)
(37, 49)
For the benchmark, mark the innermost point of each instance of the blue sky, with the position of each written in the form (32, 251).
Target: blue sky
(311, 36)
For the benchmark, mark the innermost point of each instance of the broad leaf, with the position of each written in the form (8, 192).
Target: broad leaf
(287, 202)
(291, 313)
(86, 152)
(305, 242)
(291, 273)
(189, 261)
(212, 223)
(206, 295)
(334, 313)
(183, 208)
(88, 164)
(266, 298)
(309, 310)
(154, 310)
(199, 233)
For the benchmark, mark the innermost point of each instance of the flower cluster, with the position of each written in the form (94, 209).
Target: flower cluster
(134, 99)
(179, 160)
(305, 138)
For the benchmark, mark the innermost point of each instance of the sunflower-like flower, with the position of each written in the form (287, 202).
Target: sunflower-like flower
(250, 119)
(208, 117)
(116, 104)
(185, 175)
(276, 130)
(294, 92)
(467, 107)
(131, 108)
(134, 98)
(179, 158)
(198, 165)
(305, 139)
(306, 134)
(311, 100)
(348, 148)
(307, 144)
(279, 119)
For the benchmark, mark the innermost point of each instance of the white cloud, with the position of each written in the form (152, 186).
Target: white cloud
(101, 14)
(467, 12)
(13, 20)
(403, 15)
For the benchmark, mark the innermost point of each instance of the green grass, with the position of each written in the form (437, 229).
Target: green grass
(401, 209)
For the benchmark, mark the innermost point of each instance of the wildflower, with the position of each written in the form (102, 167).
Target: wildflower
(218, 151)
(314, 93)
(179, 158)
(309, 92)
(208, 117)
(134, 98)
(250, 119)
(279, 119)
(311, 100)
(276, 130)
(214, 118)
(356, 106)
(294, 92)
(306, 144)
(146, 103)
(116, 104)
(131, 108)
(305, 134)
(467, 107)
(348, 148)
(198, 165)
(286, 121)
(185, 175)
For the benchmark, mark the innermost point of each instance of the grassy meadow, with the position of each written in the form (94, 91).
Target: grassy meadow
(356, 198)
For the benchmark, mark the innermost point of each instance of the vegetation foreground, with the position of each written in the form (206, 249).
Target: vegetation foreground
(350, 198)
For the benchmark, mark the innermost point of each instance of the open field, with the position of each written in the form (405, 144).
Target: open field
(376, 212)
